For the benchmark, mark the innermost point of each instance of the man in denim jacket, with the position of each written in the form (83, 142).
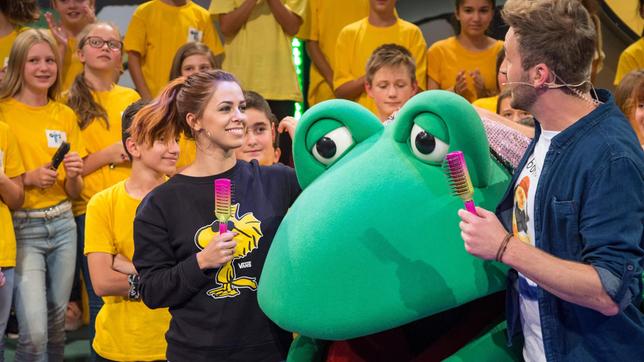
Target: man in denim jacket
(575, 206)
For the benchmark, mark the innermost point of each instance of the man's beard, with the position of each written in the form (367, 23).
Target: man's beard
(523, 95)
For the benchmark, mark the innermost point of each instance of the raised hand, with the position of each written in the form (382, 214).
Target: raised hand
(460, 87)
(287, 124)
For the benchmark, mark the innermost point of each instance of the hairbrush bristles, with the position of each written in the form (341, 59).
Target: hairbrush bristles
(459, 178)
(222, 203)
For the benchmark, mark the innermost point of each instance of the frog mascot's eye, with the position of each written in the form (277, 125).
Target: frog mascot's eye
(332, 145)
(426, 146)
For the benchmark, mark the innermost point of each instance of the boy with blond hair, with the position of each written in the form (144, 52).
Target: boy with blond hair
(358, 40)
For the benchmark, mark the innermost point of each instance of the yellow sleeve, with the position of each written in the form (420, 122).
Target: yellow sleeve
(211, 38)
(418, 50)
(434, 63)
(221, 7)
(99, 225)
(341, 65)
(135, 35)
(306, 29)
(13, 165)
(297, 6)
(626, 64)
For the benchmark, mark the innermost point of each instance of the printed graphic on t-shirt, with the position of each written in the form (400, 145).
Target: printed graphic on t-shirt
(520, 214)
(249, 233)
(194, 35)
(522, 225)
(55, 138)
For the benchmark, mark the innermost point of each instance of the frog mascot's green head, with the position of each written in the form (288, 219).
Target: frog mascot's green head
(373, 243)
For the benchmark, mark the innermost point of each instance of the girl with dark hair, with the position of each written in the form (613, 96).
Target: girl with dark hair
(191, 58)
(465, 63)
(209, 281)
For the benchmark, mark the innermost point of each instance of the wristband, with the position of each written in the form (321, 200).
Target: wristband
(133, 293)
(502, 247)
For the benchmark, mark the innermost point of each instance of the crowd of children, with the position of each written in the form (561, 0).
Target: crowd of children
(186, 124)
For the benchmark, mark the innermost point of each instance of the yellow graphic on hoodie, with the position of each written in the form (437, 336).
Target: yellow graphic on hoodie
(249, 233)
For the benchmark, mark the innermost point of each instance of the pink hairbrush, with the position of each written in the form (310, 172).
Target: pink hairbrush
(459, 178)
(222, 203)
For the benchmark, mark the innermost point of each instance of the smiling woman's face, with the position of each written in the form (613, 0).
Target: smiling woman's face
(224, 117)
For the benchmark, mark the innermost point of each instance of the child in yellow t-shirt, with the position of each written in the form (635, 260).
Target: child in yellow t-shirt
(74, 17)
(322, 25)
(126, 329)
(491, 103)
(98, 104)
(257, 39)
(11, 196)
(44, 226)
(191, 58)
(12, 18)
(632, 58)
(390, 79)
(465, 63)
(156, 31)
(358, 40)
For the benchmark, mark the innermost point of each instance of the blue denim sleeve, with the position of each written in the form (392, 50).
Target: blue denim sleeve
(611, 225)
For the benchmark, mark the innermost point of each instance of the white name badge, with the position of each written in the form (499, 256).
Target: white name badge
(194, 35)
(55, 138)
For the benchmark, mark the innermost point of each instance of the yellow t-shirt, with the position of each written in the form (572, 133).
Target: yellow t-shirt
(96, 137)
(5, 45)
(488, 103)
(632, 58)
(323, 24)
(358, 40)
(72, 66)
(447, 57)
(11, 166)
(259, 55)
(157, 30)
(187, 152)
(125, 330)
(40, 130)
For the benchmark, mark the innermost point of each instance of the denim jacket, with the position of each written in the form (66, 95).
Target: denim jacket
(589, 208)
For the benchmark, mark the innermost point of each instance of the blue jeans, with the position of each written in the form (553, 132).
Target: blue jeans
(6, 293)
(95, 302)
(46, 253)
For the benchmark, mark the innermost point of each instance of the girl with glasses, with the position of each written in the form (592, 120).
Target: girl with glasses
(98, 104)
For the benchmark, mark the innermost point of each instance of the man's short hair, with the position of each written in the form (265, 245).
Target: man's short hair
(390, 55)
(558, 33)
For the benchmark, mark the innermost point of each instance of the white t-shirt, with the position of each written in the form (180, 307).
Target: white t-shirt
(523, 229)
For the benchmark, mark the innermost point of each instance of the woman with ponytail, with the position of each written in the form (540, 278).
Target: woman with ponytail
(98, 104)
(209, 281)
